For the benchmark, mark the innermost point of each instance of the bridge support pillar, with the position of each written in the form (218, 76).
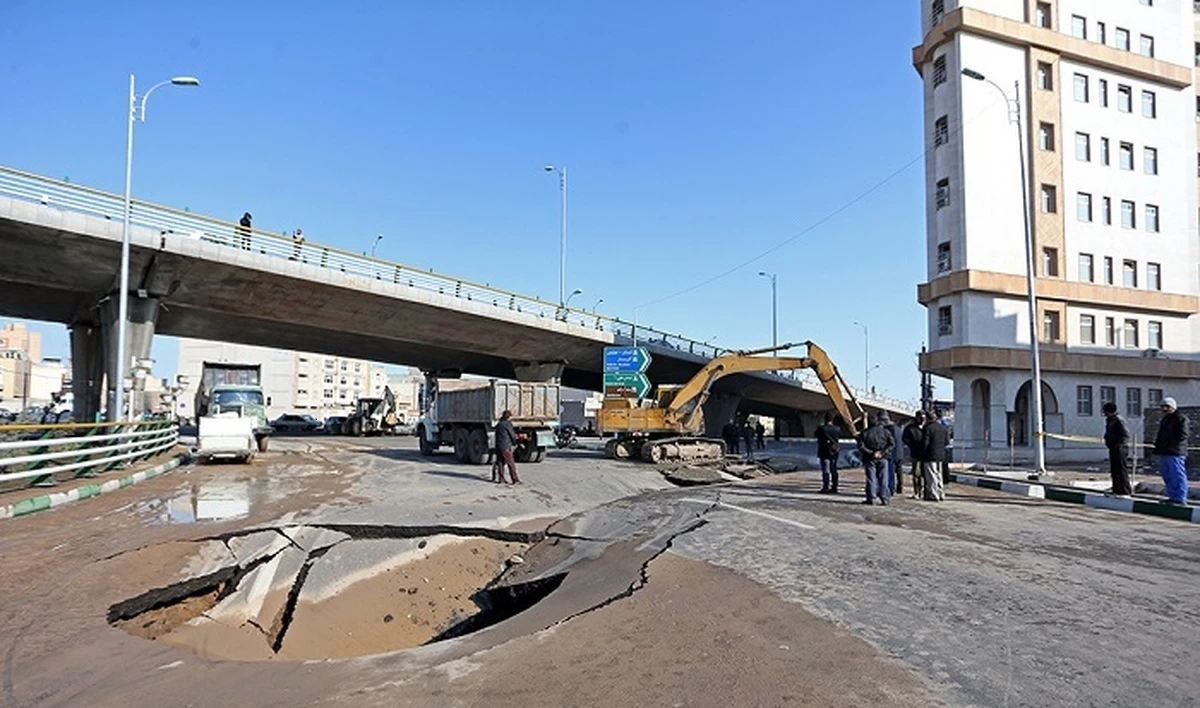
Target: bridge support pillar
(796, 426)
(719, 409)
(538, 371)
(139, 335)
(87, 371)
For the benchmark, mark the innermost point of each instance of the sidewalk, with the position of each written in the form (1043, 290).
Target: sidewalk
(1073, 495)
(21, 502)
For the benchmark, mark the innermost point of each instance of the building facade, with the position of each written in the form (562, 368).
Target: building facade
(294, 382)
(1108, 122)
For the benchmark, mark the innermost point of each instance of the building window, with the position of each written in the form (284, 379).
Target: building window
(1127, 218)
(1122, 38)
(1131, 334)
(1108, 394)
(1110, 338)
(327, 393)
(1147, 46)
(1151, 218)
(329, 364)
(1124, 99)
(1101, 34)
(1081, 88)
(945, 320)
(1087, 329)
(942, 195)
(1083, 206)
(1043, 15)
(1129, 270)
(1154, 397)
(943, 258)
(1103, 92)
(1153, 276)
(1083, 401)
(1107, 209)
(1154, 334)
(1050, 330)
(1108, 270)
(1149, 105)
(1045, 76)
(328, 379)
(344, 366)
(1087, 267)
(1150, 160)
(1083, 147)
(357, 366)
(343, 381)
(1104, 151)
(1046, 138)
(938, 12)
(1126, 156)
(1049, 199)
(941, 131)
(1079, 26)
(939, 71)
(1050, 262)
(1133, 402)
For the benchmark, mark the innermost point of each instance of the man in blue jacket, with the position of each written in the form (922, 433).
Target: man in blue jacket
(1171, 447)
(875, 446)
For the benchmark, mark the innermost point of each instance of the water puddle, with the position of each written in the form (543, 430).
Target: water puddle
(213, 501)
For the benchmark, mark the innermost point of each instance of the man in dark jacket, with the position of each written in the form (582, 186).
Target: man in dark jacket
(1116, 439)
(935, 438)
(729, 433)
(828, 449)
(913, 440)
(895, 481)
(760, 432)
(506, 442)
(875, 446)
(748, 438)
(1171, 447)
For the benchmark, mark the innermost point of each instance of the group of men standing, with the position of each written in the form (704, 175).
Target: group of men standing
(752, 436)
(879, 446)
(1170, 445)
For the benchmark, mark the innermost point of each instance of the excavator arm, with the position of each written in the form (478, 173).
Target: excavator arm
(685, 407)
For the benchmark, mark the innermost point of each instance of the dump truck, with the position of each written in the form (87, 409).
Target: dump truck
(668, 426)
(226, 387)
(373, 416)
(463, 414)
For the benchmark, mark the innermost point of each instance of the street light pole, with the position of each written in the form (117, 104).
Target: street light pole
(774, 309)
(123, 297)
(866, 357)
(1039, 445)
(378, 238)
(562, 245)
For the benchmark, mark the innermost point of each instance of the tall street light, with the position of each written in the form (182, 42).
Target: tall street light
(568, 301)
(1014, 117)
(562, 244)
(866, 357)
(378, 238)
(123, 298)
(597, 305)
(774, 309)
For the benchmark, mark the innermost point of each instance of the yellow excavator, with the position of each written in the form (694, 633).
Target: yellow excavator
(668, 426)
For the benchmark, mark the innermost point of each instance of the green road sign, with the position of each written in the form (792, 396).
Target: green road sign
(626, 385)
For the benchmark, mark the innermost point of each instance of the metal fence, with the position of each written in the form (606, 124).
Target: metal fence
(42, 455)
(62, 195)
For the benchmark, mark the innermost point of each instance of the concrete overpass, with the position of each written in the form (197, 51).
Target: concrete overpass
(193, 276)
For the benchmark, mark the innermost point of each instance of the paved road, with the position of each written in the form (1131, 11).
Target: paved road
(761, 594)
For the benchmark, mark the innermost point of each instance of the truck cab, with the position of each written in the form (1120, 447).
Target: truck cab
(249, 401)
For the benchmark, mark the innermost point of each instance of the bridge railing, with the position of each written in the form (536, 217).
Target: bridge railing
(41, 455)
(168, 220)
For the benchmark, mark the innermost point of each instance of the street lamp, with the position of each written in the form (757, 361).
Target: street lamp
(597, 305)
(123, 298)
(1014, 103)
(774, 309)
(568, 301)
(866, 356)
(378, 238)
(562, 244)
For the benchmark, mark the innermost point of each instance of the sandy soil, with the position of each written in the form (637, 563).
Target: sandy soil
(165, 620)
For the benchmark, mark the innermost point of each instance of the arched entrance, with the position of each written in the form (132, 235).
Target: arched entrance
(981, 412)
(1021, 424)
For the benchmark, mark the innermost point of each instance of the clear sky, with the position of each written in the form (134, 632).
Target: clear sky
(698, 134)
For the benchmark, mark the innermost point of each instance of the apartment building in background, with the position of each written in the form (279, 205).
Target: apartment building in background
(1109, 121)
(26, 377)
(295, 382)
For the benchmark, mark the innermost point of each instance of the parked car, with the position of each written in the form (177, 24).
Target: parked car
(318, 426)
(292, 423)
(334, 423)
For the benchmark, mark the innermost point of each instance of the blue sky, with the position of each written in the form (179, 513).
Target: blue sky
(698, 134)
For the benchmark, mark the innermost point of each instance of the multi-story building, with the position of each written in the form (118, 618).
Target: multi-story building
(1109, 124)
(15, 336)
(294, 382)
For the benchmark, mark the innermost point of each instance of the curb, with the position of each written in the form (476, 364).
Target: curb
(1075, 496)
(57, 499)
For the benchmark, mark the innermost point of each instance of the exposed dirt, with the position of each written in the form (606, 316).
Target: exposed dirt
(164, 620)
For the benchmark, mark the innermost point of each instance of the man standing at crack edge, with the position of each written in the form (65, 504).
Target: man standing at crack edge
(506, 441)
(1116, 439)
(1171, 447)
(913, 438)
(828, 449)
(875, 445)
(934, 441)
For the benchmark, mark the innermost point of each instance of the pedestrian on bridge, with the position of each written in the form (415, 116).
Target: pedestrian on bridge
(913, 438)
(506, 443)
(1171, 447)
(244, 227)
(828, 449)
(935, 438)
(875, 446)
(1116, 439)
(297, 244)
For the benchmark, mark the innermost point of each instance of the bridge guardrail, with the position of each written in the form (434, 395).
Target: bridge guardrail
(59, 194)
(47, 453)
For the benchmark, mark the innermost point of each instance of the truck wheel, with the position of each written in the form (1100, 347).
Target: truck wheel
(522, 454)
(262, 442)
(427, 447)
(460, 446)
(477, 446)
(356, 427)
(539, 455)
